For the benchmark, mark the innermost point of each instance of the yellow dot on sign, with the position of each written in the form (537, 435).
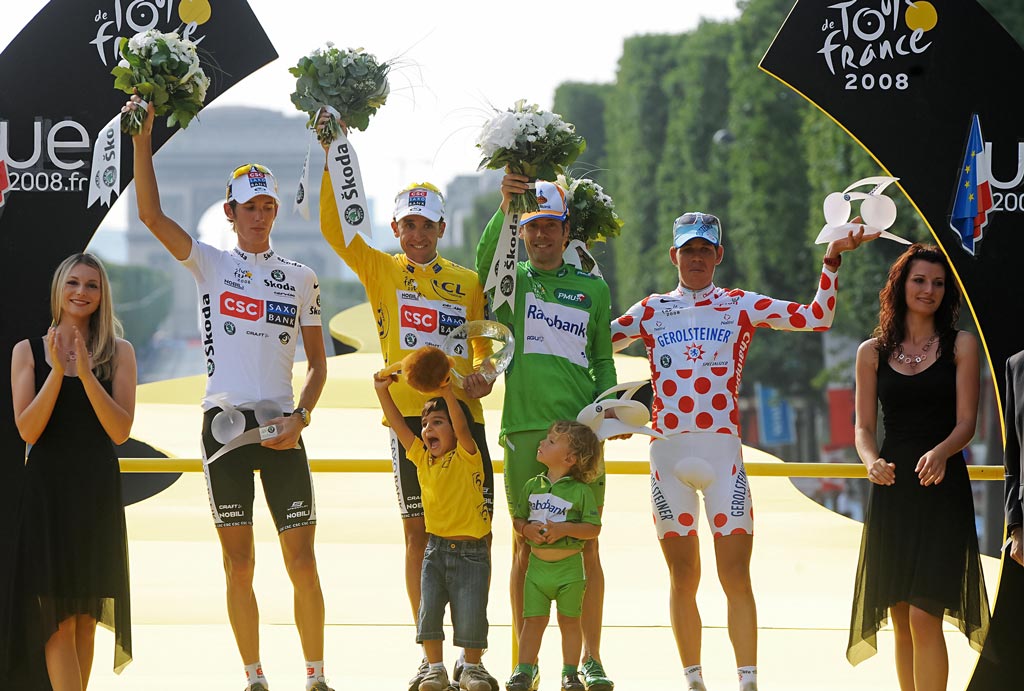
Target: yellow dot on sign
(197, 11)
(921, 15)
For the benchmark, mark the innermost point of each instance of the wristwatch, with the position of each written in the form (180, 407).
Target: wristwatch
(304, 414)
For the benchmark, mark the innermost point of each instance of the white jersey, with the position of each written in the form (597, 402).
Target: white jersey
(250, 309)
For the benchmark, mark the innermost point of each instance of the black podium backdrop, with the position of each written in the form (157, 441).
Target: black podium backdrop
(56, 93)
(906, 80)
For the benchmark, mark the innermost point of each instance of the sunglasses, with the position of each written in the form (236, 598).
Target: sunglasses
(245, 169)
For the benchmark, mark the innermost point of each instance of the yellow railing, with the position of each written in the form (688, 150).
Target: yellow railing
(376, 465)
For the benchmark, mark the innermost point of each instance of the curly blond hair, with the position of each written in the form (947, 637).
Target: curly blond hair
(584, 446)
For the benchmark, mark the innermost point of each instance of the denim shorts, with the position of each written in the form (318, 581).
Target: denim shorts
(456, 572)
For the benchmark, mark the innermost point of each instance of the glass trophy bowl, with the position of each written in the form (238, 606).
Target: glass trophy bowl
(464, 337)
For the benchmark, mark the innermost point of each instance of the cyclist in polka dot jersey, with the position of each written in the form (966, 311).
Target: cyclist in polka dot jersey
(697, 339)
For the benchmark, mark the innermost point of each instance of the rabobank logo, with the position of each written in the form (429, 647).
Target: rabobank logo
(865, 41)
(556, 329)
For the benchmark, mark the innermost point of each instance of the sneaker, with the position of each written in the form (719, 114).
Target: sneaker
(522, 681)
(571, 682)
(594, 678)
(256, 687)
(434, 680)
(320, 686)
(476, 679)
(414, 683)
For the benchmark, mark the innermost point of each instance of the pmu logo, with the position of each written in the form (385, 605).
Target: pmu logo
(281, 313)
(418, 318)
(863, 34)
(241, 307)
(575, 298)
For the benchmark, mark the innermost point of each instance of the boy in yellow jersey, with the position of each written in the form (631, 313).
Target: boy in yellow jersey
(418, 298)
(457, 563)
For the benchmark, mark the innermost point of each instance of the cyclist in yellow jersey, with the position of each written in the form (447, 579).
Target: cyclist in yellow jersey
(417, 298)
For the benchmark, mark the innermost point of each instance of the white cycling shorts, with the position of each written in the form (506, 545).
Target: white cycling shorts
(708, 462)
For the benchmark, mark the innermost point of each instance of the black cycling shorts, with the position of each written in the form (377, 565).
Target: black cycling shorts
(287, 482)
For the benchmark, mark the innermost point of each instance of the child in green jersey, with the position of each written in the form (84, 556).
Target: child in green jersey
(556, 514)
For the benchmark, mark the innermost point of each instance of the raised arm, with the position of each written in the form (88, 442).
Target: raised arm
(392, 414)
(147, 194)
(459, 422)
(866, 424)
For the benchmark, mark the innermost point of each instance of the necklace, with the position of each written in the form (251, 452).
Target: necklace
(912, 361)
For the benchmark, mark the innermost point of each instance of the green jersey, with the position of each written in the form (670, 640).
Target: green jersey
(561, 323)
(566, 499)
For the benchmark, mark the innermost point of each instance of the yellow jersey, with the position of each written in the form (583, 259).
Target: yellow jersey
(414, 304)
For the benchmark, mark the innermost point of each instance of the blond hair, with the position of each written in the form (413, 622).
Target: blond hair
(584, 446)
(104, 327)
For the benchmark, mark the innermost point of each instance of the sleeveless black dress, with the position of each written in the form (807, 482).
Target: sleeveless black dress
(73, 552)
(919, 544)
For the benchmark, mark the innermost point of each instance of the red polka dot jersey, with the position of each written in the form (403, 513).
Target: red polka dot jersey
(697, 342)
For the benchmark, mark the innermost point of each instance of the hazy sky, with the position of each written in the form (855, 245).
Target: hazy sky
(455, 60)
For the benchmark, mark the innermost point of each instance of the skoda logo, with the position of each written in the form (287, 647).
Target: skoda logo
(229, 328)
(277, 275)
(506, 286)
(209, 368)
(109, 175)
(666, 361)
(410, 340)
(300, 195)
(354, 215)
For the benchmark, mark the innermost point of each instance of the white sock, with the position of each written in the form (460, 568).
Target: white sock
(314, 673)
(747, 677)
(254, 675)
(694, 678)
(437, 665)
(462, 656)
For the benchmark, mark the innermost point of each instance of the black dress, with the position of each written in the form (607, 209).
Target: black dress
(919, 545)
(73, 552)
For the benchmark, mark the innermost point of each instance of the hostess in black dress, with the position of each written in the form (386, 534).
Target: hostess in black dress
(73, 553)
(919, 544)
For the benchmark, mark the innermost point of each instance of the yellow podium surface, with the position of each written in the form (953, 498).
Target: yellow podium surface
(803, 567)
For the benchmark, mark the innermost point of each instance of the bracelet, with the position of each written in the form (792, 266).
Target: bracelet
(833, 262)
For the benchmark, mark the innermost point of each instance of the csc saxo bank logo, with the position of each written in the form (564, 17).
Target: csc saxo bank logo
(59, 148)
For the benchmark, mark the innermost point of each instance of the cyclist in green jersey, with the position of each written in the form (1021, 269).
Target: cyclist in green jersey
(562, 362)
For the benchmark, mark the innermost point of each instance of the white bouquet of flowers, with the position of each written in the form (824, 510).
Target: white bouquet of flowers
(164, 70)
(592, 219)
(351, 82)
(529, 141)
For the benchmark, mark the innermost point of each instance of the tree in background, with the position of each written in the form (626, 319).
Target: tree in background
(636, 118)
(142, 300)
(584, 105)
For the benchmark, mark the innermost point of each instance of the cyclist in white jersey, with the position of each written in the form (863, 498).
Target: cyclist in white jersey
(253, 307)
(697, 338)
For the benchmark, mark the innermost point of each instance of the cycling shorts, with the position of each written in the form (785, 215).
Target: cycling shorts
(287, 481)
(711, 463)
